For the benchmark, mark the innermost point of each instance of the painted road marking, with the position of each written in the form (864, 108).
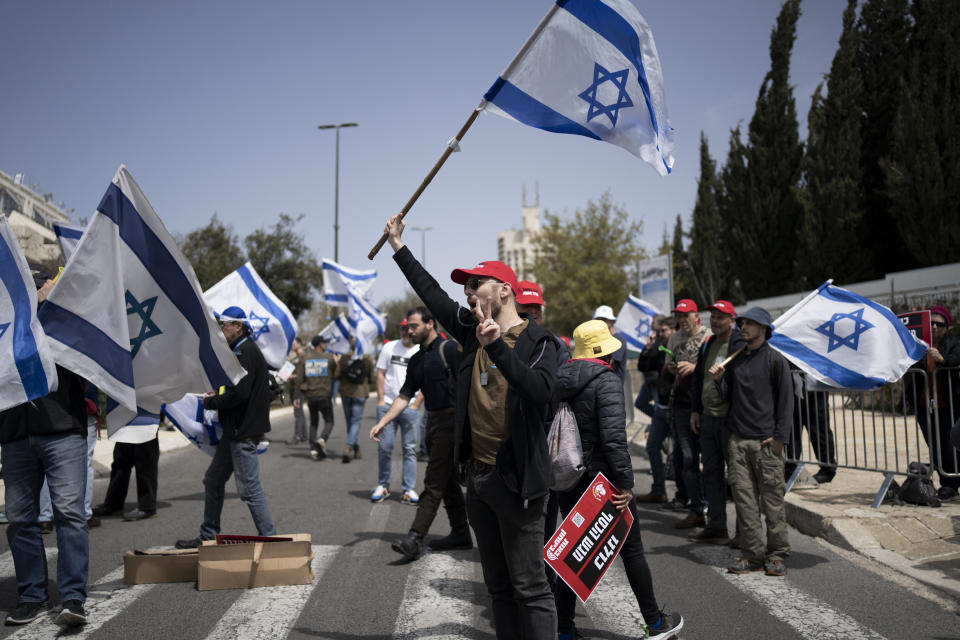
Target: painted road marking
(439, 600)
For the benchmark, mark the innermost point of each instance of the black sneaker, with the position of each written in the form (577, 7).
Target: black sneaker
(668, 626)
(26, 612)
(410, 547)
(102, 510)
(710, 536)
(189, 543)
(823, 476)
(946, 493)
(72, 614)
(138, 514)
(674, 505)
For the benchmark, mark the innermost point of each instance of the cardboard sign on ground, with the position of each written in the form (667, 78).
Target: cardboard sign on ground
(589, 538)
(159, 565)
(255, 564)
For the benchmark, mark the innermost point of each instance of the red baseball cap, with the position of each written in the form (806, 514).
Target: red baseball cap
(723, 307)
(686, 306)
(403, 322)
(530, 293)
(489, 269)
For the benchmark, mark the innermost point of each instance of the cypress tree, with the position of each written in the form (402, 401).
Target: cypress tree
(922, 170)
(734, 187)
(706, 242)
(681, 267)
(832, 196)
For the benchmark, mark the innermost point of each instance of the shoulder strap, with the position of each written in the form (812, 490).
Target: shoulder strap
(443, 356)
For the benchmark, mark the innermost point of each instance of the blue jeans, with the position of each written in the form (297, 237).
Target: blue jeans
(46, 506)
(238, 457)
(409, 423)
(655, 437)
(646, 399)
(62, 460)
(688, 443)
(353, 412)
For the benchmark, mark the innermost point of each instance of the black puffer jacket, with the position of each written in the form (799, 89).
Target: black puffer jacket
(595, 392)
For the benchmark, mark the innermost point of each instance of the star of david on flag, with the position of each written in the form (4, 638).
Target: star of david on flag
(343, 286)
(845, 340)
(548, 84)
(633, 323)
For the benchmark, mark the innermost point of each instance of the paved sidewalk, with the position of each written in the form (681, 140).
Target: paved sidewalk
(920, 542)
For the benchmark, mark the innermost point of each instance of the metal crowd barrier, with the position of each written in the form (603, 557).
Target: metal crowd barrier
(877, 430)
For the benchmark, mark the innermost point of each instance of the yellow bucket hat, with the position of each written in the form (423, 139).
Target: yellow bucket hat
(592, 339)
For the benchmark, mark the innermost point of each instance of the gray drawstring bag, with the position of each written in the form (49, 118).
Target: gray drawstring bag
(566, 452)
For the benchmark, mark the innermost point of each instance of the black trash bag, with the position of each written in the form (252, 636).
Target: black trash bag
(918, 487)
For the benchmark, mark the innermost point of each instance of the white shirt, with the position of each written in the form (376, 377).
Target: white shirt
(393, 360)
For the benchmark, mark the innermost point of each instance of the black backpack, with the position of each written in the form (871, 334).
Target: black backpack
(918, 488)
(356, 371)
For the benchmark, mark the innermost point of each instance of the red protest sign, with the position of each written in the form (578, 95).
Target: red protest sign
(589, 538)
(918, 322)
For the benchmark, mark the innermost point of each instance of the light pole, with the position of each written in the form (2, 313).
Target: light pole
(336, 188)
(423, 243)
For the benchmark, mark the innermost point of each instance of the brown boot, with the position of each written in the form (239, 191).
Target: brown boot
(347, 454)
(691, 520)
(356, 452)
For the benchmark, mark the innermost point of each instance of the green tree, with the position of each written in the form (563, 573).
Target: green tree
(734, 184)
(396, 310)
(765, 220)
(214, 251)
(586, 261)
(285, 263)
(682, 276)
(832, 197)
(884, 32)
(922, 170)
(706, 256)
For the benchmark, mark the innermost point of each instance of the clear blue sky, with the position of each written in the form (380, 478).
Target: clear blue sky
(213, 106)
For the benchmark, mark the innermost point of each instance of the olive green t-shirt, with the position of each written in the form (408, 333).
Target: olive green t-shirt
(487, 405)
(713, 404)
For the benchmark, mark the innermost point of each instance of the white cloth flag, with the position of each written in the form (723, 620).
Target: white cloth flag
(845, 340)
(633, 323)
(591, 68)
(128, 315)
(337, 334)
(69, 237)
(272, 326)
(366, 323)
(339, 281)
(198, 425)
(27, 369)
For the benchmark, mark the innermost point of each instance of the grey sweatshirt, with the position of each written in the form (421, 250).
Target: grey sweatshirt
(760, 390)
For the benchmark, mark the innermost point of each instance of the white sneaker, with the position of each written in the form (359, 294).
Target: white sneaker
(379, 494)
(410, 497)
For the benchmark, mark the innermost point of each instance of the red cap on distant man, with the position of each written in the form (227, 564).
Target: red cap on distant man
(530, 293)
(686, 306)
(489, 269)
(723, 307)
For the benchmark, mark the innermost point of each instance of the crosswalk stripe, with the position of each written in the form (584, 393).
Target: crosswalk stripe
(438, 600)
(810, 617)
(613, 607)
(271, 612)
(6, 561)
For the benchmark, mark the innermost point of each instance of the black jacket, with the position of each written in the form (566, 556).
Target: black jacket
(60, 412)
(245, 408)
(530, 369)
(736, 342)
(651, 361)
(595, 393)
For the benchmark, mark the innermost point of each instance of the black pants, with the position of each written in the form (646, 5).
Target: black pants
(946, 457)
(812, 412)
(634, 562)
(714, 443)
(440, 481)
(145, 457)
(317, 406)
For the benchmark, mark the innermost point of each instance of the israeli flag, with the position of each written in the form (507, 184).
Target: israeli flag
(634, 322)
(366, 323)
(845, 340)
(28, 370)
(272, 326)
(337, 334)
(69, 237)
(340, 281)
(198, 425)
(128, 315)
(591, 68)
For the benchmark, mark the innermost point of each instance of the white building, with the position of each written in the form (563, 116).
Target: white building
(515, 247)
(32, 217)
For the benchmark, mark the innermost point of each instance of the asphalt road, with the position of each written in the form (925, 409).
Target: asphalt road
(362, 590)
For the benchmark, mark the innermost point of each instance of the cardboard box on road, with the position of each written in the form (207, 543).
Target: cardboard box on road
(255, 564)
(159, 565)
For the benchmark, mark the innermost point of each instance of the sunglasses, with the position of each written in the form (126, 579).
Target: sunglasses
(939, 325)
(475, 283)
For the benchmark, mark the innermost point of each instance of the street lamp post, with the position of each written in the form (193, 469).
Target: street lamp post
(336, 187)
(423, 243)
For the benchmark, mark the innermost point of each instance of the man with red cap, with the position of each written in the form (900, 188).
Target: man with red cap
(505, 381)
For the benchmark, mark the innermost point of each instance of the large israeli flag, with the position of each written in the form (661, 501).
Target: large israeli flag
(272, 326)
(591, 68)
(69, 237)
(128, 315)
(27, 369)
(198, 425)
(340, 281)
(337, 334)
(845, 340)
(634, 322)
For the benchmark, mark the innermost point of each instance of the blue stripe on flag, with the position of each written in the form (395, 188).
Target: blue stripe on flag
(843, 376)
(642, 307)
(362, 305)
(532, 112)
(25, 352)
(336, 297)
(347, 274)
(913, 348)
(611, 26)
(344, 331)
(163, 268)
(64, 232)
(78, 334)
(630, 339)
(267, 303)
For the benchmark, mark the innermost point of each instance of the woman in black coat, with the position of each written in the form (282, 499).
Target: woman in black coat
(594, 391)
